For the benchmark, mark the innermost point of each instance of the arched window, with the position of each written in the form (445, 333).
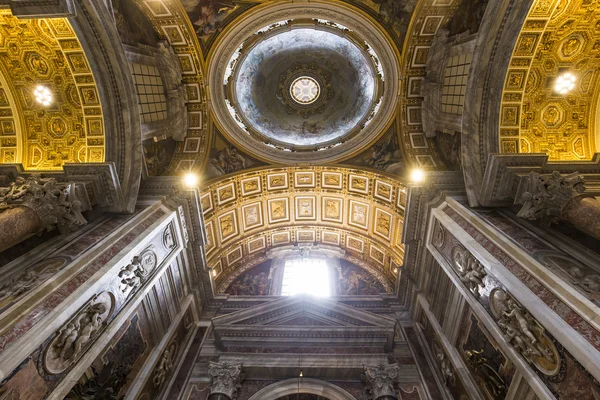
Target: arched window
(304, 386)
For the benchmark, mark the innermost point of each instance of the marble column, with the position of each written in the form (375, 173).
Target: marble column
(556, 198)
(381, 381)
(225, 380)
(33, 204)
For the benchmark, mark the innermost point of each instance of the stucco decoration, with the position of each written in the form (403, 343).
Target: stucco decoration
(524, 333)
(79, 333)
(330, 60)
(340, 48)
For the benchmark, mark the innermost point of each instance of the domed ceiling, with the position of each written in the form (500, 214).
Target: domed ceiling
(304, 88)
(295, 84)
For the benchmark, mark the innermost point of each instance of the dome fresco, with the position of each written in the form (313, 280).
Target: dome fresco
(340, 74)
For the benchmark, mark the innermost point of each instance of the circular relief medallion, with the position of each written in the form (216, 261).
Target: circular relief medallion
(148, 261)
(305, 90)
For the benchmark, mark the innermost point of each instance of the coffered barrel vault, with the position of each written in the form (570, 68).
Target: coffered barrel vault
(248, 214)
(69, 130)
(557, 37)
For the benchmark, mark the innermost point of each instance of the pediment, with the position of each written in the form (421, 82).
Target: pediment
(315, 322)
(304, 311)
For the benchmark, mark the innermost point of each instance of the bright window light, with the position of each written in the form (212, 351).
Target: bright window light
(43, 95)
(565, 83)
(305, 276)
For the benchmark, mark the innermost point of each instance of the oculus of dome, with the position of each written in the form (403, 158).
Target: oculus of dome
(305, 90)
(255, 87)
(348, 23)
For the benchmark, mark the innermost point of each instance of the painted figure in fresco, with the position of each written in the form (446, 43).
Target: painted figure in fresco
(208, 16)
(228, 160)
(358, 283)
(468, 16)
(133, 25)
(157, 155)
(396, 12)
(251, 285)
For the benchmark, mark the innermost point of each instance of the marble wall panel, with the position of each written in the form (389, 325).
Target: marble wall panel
(570, 316)
(188, 364)
(427, 374)
(584, 278)
(456, 388)
(559, 383)
(56, 297)
(34, 366)
(474, 338)
(35, 275)
(177, 342)
(112, 373)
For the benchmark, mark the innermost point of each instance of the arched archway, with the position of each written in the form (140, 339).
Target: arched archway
(305, 385)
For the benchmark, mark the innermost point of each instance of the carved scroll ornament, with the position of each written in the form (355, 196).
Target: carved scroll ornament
(79, 333)
(524, 333)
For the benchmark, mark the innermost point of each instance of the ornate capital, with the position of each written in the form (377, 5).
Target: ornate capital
(381, 381)
(546, 195)
(55, 203)
(225, 378)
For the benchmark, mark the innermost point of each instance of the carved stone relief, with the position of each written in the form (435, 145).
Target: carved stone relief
(165, 365)
(23, 283)
(183, 224)
(492, 381)
(381, 380)
(168, 239)
(577, 274)
(469, 269)
(445, 365)
(134, 274)
(78, 334)
(439, 235)
(524, 333)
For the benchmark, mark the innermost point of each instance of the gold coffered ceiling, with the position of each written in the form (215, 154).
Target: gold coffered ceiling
(46, 52)
(558, 36)
(357, 211)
